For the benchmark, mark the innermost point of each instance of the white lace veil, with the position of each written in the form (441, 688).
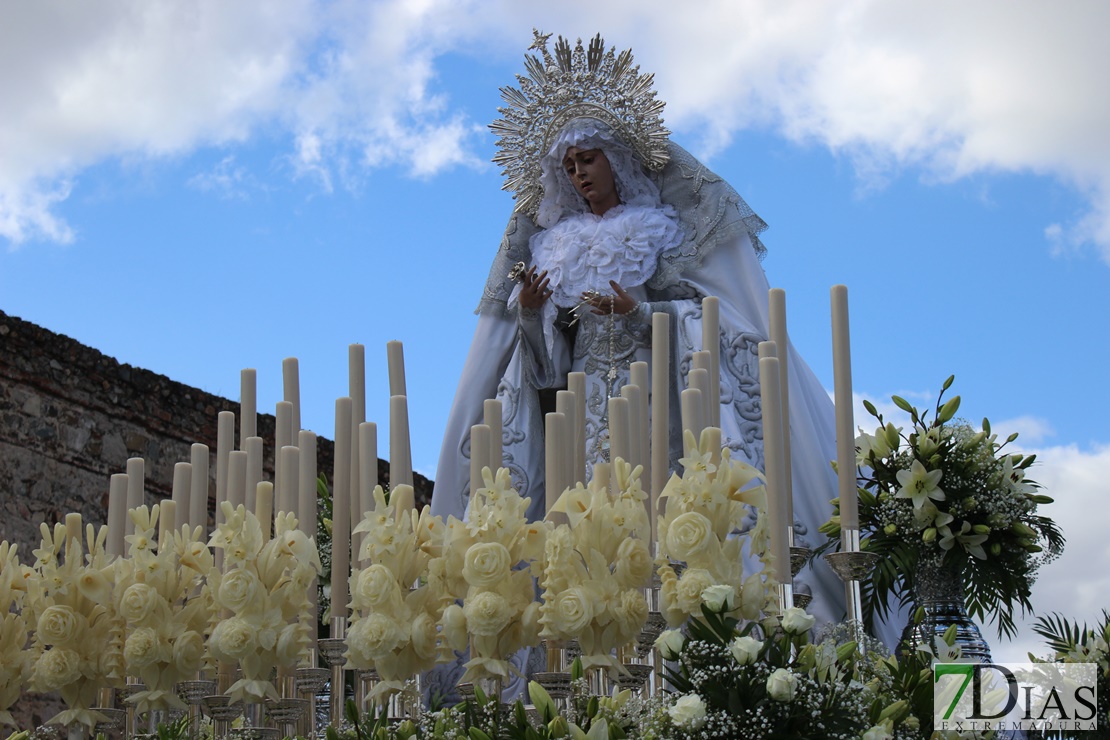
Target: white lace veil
(560, 198)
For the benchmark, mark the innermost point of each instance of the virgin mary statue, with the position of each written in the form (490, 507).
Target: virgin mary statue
(614, 222)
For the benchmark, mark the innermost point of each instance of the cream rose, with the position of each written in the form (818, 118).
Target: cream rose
(690, 587)
(59, 625)
(781, 685)
(487, 613)
(377, 588)
(454, 627)
(631, 612)
(241, 591)
(718, 596)
(688, 535)
(486, 564)
(424, 636)
(138, 602)
(795, 621)
(634, 564)
(571, 611)
(670, 643)
(233, 638)
(745, 649)
(375, 637)
(688, 712)
(188, 650)
(144, 648)
(56, 668)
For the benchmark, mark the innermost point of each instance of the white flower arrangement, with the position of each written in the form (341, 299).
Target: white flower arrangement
(490, 561)
(15, 659)
(265, 592)
(159, 596)
(596, 567)
(396, 608)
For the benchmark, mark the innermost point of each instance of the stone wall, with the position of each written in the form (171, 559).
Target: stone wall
(71, 416)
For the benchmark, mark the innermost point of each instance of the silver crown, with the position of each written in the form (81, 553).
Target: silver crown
(578, 83)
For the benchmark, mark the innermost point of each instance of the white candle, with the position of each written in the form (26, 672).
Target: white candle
(776, 300)
(283, 426)
(136, 489)
(711, 440)
(842, 394)
(289, 462)
(356, 380)
(692, 410)
(198, 497)
(254, 448)
(491, 417)
(117, 514)
(341, 511)
(638, 375)
(367, 479)
(479, 455)
(660, 411)
(167, 522)
(182, 487)
(225, 442)
(237, 478)
(576, 384)
(400, 463)
(566, 404)
(699, 380)
(306, 515)
(554, 465)
(711, 342)
(619, 442)
(248, 405)
(73, 534)
(264, 508)
(291, 384)
(631, 393)
(395, 356)
(775, 472)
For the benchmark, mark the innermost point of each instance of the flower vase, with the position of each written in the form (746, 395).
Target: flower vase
(939, 590)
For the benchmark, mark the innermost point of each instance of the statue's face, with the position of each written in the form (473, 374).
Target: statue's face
(592, 177)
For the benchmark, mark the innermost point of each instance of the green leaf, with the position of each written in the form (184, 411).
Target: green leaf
(476, 734)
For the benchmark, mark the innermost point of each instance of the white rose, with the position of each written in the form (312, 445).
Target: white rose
(718, 596)
(232, 639)
(670, 644)
(571, 611)
(143, 648)
(376, 588)
(138, 602)
(487, 613)
(424, 636)
(486, 564)
(781, 685)
(631, 612)
(58, 625)
(690, 587)
(795, 621)
(375, 637)
(689, 534)
(240, 591)
(878, 732)
(688, 712)
(56, 668)
(745, 649)
(454, 627)
(634, 563)
(188, 650)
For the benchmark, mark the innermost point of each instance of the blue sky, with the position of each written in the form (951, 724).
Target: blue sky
(198, 187)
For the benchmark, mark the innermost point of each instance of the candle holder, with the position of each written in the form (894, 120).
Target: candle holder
(798, 558)
(222, 712)
(365, 681)
(253, 724)
(635, 677)
(285, 713)
(193, 693)
(309, 682)
(852, 566)
(802, 596)
(113, 722)
(333, 650)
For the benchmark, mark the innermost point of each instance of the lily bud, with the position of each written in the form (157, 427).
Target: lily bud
(890, 528)
(929, 535)
(981, 529)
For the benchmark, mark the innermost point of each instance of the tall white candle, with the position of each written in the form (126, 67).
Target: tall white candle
(306, 515)
(291, 385)
(638, 375)
(491, 417)
(698, 379)
(576, 384)
(136, 488)
(400, 462)
(356, 379)
(264, 508)
(479, 455)
(620, 432)
(290, 464)
(225, 442)
(254, 448)
(367, 479)
(73, 534)
(776, 300)
(341, 511)
(631, 393)
(117, 514)
(554, 465)
(237, 478)
(198, 497)
(711, 342)
(248, 405)
(566, 404)
(711, 440)
(167, 522)
(774, 463)
(692, 409)
(845, 423)
(182, 487)
(283, 426)
(395, 356)
(660, 411)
